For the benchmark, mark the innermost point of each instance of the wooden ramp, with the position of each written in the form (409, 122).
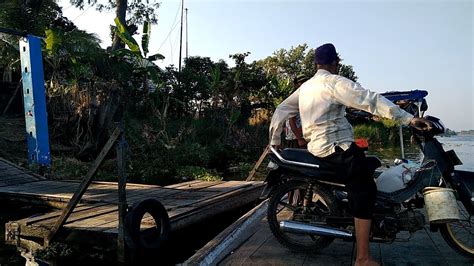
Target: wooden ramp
(97, 214)
(249, 241)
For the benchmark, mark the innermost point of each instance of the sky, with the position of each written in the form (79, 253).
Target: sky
(392, 45)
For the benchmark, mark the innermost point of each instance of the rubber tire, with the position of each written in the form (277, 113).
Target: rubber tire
(445, 231)
(275, 228)
(133, 219)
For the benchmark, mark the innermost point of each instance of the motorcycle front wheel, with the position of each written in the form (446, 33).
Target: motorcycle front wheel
(287, 204)
(460, 234)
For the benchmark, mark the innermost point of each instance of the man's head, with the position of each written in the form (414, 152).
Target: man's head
(326, 58)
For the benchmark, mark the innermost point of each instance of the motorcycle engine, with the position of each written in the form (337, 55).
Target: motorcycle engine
(389, 226)
(411, 220)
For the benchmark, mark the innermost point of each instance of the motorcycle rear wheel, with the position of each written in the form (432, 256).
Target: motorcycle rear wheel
(286, 204)
(460, 234)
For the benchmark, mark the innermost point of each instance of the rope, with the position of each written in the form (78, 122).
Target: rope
(87, 9)
(175, 23)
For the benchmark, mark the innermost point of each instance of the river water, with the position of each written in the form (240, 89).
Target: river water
(462, 145)
(464, 148)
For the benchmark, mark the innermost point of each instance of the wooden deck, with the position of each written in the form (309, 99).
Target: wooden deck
(249, 241)
(187, 203)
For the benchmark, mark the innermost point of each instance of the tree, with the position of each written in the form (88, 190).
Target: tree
(138, 11)
(284, 65)
(27, 16)
(287, 64)
(348, 72)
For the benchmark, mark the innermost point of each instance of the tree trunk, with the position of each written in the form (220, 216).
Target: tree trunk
(121, 13)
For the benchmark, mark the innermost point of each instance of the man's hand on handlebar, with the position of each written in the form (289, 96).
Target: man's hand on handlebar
(421, 124)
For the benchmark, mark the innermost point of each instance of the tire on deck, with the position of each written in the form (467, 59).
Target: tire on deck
(151, 238)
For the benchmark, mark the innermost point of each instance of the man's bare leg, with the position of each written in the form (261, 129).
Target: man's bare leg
(362, 230)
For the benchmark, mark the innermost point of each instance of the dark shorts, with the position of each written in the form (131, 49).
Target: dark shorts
(352, 165)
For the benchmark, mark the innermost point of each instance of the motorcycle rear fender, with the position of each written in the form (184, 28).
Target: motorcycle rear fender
(271, 182)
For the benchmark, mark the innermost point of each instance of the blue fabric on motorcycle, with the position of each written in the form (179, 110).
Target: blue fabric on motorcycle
(414, 95)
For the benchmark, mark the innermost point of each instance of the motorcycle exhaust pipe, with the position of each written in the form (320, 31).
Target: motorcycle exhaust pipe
(319, 230)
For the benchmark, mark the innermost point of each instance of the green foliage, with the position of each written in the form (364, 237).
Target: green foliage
(384, 132)
(31, 17)
(54, 251)
(146, 37)
(348, 72)
(123, 34)
(284, 65)
(198, 173)
(143, 66)
(287, 64)
(139, 10)
(53, 42)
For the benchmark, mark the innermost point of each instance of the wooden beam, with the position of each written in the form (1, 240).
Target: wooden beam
(229, 239)
(122, 198)
(83, 186)
(259, 162)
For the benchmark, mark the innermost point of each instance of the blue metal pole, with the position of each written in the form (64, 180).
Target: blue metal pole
(36, 118)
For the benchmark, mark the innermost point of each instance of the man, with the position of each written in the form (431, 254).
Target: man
(293, 131)
(321, 102)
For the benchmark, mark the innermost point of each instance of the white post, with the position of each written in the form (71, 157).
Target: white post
(400, 132)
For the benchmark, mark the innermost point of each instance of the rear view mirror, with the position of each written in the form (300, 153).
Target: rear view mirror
(424, 105)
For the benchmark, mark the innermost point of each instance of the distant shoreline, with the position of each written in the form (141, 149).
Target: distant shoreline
(465, 133)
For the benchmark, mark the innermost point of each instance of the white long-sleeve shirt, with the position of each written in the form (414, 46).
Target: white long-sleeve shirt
(322, 101)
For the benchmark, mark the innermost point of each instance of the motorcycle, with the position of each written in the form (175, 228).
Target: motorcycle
(308, 206)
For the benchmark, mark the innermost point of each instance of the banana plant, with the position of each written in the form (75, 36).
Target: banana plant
(142, 63)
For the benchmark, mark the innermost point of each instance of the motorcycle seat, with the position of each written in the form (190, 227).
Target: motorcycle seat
(301, 155)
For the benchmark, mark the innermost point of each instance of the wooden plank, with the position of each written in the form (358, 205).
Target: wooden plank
(201, 185)
(84, 216)
(241, 256)
(11, 171)
(228, 185)
(164, 192)
(82, 188)
(6, 162)
(49, 215)
(272, 252)
(218, 194)
(184, 184)
(122, 198)
(215, 205)
(16, 182)
(98, 223)
(96, 191)
(131, 185)
(20, 177)
(185, 208)
(233, 236)
(260, 160)
(55, 202)
(10, 175)
(36, 187)
(40, 188)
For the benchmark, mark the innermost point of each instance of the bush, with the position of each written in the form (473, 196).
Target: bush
(198, 173)
(384, 132)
